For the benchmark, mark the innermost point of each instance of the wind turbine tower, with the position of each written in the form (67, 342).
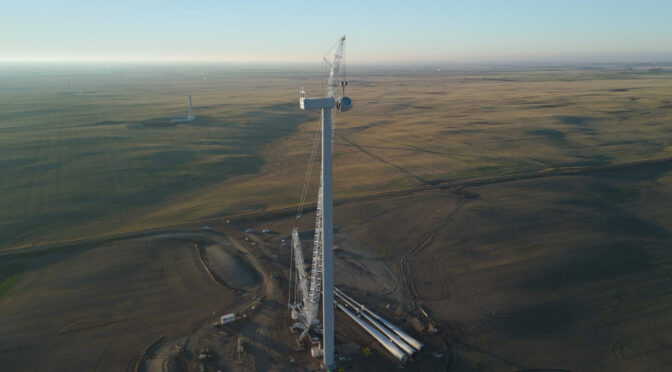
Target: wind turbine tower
(323, 252)
(305, 290)
(191, 116)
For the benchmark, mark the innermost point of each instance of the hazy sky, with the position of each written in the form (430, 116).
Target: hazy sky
(418, 31)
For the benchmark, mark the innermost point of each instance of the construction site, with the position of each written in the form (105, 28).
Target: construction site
(307, 285)
(256, 332)
(330, 229)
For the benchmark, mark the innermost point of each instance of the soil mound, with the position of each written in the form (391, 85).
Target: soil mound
(232, 269)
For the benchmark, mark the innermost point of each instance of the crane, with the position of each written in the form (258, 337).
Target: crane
(305, 304)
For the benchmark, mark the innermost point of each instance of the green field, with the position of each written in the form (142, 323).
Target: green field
(104, 158)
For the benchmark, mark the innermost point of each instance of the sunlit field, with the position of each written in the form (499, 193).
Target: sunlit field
(105, 158)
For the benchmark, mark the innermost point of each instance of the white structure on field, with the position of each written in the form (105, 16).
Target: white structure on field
(394, 339)
(304, 305)
(305, 288)
(191, 116)
(228, 318)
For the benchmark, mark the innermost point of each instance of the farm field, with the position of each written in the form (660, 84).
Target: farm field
(515, 274)
(104, 158)
(522, 212)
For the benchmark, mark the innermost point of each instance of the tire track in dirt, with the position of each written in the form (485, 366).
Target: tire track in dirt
(405, 271)
(408, 287)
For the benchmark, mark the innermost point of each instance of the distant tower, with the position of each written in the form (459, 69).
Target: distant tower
(191, 114)
(67, 86)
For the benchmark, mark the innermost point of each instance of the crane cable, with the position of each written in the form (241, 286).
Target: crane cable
(309, 172)
(318, 132)
(302, 202)
(344, 74)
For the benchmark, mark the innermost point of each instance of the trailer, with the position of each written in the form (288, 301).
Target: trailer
(228, 318)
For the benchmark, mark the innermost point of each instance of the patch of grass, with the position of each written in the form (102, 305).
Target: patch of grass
(8, 283)
(575, 120)
(551, 134)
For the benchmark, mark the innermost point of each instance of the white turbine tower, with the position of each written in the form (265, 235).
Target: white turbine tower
(191, 116)
(305, 309)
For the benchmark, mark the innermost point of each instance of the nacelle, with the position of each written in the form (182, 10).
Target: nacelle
(343, 103)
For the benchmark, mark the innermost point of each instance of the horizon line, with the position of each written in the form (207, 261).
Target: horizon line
(609, 61)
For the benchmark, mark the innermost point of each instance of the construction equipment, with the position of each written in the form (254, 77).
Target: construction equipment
(304, 304)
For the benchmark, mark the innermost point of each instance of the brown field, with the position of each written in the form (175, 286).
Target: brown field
(97, 307)
(107, 159)
(523, 213)
(522, 275)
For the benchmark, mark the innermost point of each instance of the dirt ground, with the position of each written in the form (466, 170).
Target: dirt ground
(569, 272)
(99, 306)
(550, 273)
